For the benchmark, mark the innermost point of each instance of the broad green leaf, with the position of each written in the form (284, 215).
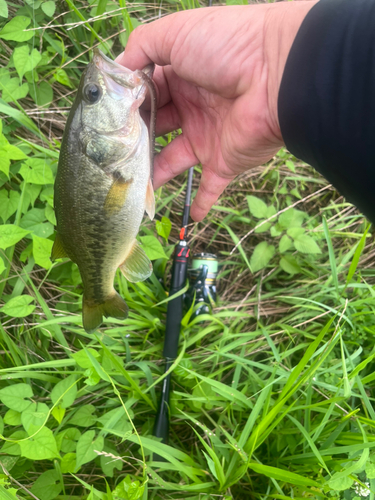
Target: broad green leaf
(8, 461)
(343, 483)
(109, 464)
(306, 244)
(164, 227)
(2, 265)
(14, 30)
(34, 416)
(19, 307)
(68, 463)
(370, 470)
(12, 447)
(291, 218)
(35, 222)
(8, 494)
(4, 164)
(61, 77)
(285, 243)
(42, 93)
(31, 192)
(12, 417)
(65, 392)
(257, 207)
(3, 8)
(47, 195)
(295, 232)
(92, 376)
(67, 440)
(8, 203)
(41, 446)
(84, 416)
(82, 358)
(129, 489)
(275, 231)
(153, 248)
(14, 396)
(289, 264)
(47, 486)
(49, 8)
(50, 215)
(86, 446)
(261, 256)
(24, 60)
(58, 413)
(36, 171)
(14, 153)
(12, 89)
(116, 420)
(42, 248)
(263, 228)
(10, 235)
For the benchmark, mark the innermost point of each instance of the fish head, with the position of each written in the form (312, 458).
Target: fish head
(110, 96)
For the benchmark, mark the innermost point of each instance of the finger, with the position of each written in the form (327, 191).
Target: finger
(167, 120)
(152, 43)
(210, 188)
(156, 42)
(174, 159)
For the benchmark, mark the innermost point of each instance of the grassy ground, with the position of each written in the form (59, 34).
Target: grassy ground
(272, 394)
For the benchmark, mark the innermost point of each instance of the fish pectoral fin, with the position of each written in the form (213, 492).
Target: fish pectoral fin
(58, 251)
(150, 200)
(92, 313)
(116, 196)
(137, 266)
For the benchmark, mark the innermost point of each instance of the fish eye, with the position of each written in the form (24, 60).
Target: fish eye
(92, 93)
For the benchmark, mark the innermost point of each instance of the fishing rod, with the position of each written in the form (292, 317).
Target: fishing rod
(174, 315)
(202, 275)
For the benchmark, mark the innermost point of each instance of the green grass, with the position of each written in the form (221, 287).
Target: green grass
(272, 394)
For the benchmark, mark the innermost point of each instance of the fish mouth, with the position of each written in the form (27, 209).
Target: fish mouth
(119, 74)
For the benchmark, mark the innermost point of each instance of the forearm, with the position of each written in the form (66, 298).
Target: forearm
(327, 97)
(282, 24)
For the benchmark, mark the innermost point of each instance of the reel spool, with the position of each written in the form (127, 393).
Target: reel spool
(202, 276)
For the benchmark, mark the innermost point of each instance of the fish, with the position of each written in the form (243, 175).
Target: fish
(104, 185)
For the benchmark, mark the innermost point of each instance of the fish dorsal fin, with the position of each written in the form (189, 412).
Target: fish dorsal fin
(116, 196)
(137, 266)
(150, 200)
(58, 251)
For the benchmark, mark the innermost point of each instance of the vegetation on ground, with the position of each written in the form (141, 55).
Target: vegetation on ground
(272, 393)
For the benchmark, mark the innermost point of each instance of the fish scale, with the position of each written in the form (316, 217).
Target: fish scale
(103, 185)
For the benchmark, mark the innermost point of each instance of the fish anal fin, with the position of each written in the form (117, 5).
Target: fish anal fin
(92, 312)
(58, 251)
(150, 200)
(137, 266)
(116, 196)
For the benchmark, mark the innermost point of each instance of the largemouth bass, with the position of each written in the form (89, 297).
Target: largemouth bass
(104, 185)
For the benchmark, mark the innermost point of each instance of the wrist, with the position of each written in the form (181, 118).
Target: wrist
(282, 23)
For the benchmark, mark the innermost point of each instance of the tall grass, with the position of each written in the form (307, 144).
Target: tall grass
(272, 394)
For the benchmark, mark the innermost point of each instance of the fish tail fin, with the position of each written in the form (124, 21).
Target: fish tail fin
(92, 314)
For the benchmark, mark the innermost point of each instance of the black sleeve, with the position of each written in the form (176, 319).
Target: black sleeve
(326, 100)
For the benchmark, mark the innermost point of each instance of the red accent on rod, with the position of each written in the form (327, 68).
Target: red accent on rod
(182, 233)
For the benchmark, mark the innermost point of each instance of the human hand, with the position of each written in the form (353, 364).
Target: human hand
(218, 76)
